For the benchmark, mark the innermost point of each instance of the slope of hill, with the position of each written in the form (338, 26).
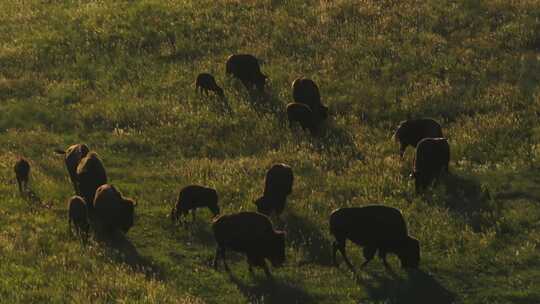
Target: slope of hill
(119, 76)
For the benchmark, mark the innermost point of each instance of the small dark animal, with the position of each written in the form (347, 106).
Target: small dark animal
(411, 132)
(22, 172)
(193, 197)
(78, 215)
(302, 114)
(90, 175)
(112, 211)
(246, 68)
(306, 91)
(206, 82)
(278, 185)
(432, 158)
(73, 155)
(250, 233)
(376, 228)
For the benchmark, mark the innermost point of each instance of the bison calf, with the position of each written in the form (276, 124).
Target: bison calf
(22, 173)
(206, 82)
(411, 132)
(431, 159)
(193, 197)
(376, 228)
(112, 211)
(250, 233)
(301, 113)
(73, 155)
(78, 215)
(278, 185)
(246, 68)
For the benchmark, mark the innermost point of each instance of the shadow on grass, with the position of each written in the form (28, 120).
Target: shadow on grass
(416, 287)
(468, 198)
(337, 141)
(270, 291)
(305, 235)
(121, 249)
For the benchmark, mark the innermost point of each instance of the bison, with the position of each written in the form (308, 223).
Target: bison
(90, 175)
(301, 113)
(376, 228)
(206, 82)
(22, 172)
(411, 132)
(306, 91)
(431, 159)
(73, 155)
(112, 211)
(193, 197)
(278, 185)
(250, 233)
(78, 215)
(246, 68)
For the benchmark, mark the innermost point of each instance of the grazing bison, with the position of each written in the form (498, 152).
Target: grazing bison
(22, 172)
(73, 155)
(306, 91)
(90, 175)
(411, 132)
(301, 113)
(246, 68)
(376, 228)
(206, 82)
(278, 185)
(432, 158)
(250, 233)
(193, 197)
(112, 211)
(78, 215)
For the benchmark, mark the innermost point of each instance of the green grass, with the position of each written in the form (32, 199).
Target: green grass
(119, 76)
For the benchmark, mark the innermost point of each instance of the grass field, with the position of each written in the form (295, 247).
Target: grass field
(119, 76)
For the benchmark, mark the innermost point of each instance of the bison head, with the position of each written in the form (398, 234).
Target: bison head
(128, 206)
(409, 253)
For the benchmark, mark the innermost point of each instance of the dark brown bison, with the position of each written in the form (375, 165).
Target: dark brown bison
(250, 233)
(278, 185)
(246, 68)
(376, 228)
(306, 91)
(432, 159)
(206, 82)
(78, 215)
(193, 197)
(301, 113)
(90, 175)
(73, 155)
(112, 211)
(411, 132)
(22, 173)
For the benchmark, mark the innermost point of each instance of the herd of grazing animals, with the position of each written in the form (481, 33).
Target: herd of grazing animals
(100, 207)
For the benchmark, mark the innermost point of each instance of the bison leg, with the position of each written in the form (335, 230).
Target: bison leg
(20, 185)
(220, 254)
(340, 245)
(369, 253)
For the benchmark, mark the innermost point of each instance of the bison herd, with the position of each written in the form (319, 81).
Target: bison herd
(100, 207)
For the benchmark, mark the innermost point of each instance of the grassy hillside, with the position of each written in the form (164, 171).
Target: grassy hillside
(119, 76)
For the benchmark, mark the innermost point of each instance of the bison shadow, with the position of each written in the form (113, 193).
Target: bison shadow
(468, 198)
(334, 140)
(121, 249)
(305, 235)
(417, 287)
(270, 291)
